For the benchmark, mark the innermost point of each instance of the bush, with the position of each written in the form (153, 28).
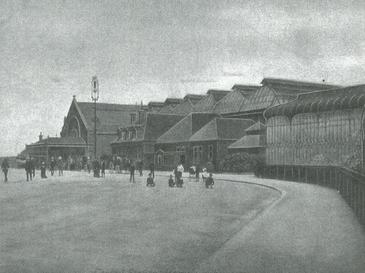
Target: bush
(241, 162)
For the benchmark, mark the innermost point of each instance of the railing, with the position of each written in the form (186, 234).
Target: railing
(350, 184)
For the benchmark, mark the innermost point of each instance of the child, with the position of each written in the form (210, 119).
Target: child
(204, 174)
(150, 182)
(171, 181)
(209, 182)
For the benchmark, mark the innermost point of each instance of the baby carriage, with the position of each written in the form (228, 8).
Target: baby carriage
(192, 171)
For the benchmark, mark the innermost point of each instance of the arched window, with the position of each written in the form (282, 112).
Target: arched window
(74, 127)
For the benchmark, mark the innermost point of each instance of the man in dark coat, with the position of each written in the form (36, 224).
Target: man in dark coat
(5, 168)
(140, 167)
(103, 166)
(28, 169)
(43, 170)
(131, 170)
(52, 165)
(96, 168)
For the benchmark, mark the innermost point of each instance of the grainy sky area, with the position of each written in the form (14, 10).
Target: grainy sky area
(148, 50)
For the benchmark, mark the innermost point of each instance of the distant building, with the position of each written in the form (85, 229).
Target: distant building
(209, 144)
(79, 122)
(77, 135)
(173, 147)
(136, 141)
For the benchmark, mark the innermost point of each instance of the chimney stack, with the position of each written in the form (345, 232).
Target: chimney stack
(40, 136)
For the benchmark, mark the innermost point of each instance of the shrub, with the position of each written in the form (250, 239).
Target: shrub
(241, 162)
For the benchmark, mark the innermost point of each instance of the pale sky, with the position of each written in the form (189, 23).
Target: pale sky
(148, 50)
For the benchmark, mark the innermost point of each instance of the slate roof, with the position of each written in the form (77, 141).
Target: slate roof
(109, 116)
(185, 128)
(249, 141)
(222, 129)
(210, 100)
(327, 100)
(60, 141)
(257, 127)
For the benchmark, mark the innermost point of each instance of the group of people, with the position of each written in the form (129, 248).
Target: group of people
(30, 167)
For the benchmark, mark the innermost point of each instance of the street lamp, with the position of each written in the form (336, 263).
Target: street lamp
(94, 97)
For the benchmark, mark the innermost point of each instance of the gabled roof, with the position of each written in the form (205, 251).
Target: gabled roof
(185, 128)
(155, 106)
(258, 126)
(231, 103)
(290, 87)
(249, 141)
(170, 104)
(210, 100)
(246, 89)
(327, 100)
(109, 116)
(277, 91)
(194, 98)
(60, 141)
(222, 129)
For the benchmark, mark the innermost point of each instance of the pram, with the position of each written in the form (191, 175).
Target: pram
(192, 171)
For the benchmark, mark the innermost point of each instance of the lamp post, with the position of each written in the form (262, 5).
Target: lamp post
(94, 97)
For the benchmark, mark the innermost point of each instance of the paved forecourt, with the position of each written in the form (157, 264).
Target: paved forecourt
(77, 223)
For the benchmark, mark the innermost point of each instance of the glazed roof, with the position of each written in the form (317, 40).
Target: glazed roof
(209, 101)
(222, 129)
(327, 100)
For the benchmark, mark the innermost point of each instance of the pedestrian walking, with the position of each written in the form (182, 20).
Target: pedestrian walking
(152, 170)
(197, 173)
(103, 166)
(60, 166)
(96, 168)
(32, 164)
(43, 170)
(5, 169)
(28, 169)
(140, 167)
(131, 172)
(52, 165)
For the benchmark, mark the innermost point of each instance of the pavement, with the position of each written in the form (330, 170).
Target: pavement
(80, 224)
(309, 229)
